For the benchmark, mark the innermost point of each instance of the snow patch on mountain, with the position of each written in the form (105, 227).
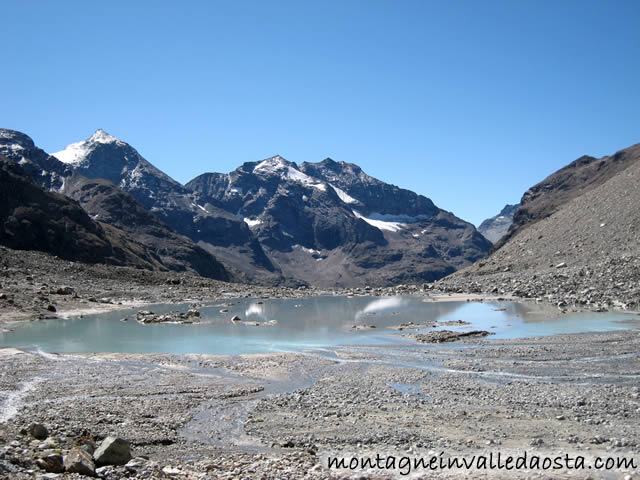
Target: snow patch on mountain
(100, 136)
(279, 166)
(344, 196)
(252, 223)
(76, 152)
(381, 224)
(73, 154)
(307, 250)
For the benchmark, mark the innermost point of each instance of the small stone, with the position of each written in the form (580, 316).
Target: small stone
(66, 290)
(112, 451)
(104, 471)
(51, 308)
(38, 431)
(136, 464)
(171, 471)
(79, 461)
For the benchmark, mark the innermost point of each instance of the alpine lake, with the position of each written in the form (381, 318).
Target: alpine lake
(275, 325)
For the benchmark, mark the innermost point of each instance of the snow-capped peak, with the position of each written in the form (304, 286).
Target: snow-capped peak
(288, 171)
(271, 165)
(100, 136)
(75, 152)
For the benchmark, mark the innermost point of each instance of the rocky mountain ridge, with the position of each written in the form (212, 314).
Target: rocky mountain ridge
(216, 230)
(271, 221)
(119, 214)
(580, 247)
(32, 219)
(494, 228)
(330, 224)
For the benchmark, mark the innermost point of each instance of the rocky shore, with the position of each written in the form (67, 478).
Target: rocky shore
(610, 284)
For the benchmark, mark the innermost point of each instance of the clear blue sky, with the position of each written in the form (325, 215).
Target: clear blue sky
(467, 102)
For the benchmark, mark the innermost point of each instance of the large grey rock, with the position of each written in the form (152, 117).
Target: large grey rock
(79, 461)
(113, 451)
(51, 463)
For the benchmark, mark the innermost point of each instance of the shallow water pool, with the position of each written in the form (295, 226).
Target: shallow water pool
(299, 324)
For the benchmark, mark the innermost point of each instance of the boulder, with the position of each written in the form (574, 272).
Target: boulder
(113, 451)
(79, 461)
(38, 431)
(51, 463)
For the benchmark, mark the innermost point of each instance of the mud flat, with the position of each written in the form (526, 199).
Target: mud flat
(282, 415)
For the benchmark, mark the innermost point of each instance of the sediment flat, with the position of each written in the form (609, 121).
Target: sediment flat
(281, 415)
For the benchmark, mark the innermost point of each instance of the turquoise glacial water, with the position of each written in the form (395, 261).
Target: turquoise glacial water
(300, 324)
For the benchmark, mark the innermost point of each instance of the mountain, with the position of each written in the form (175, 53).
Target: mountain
(455, 240)
(271, 221)
(577, 239)
(330, 224)
(45, 170)
(577, 178)
(32, 219)
(496, 227)
(216, 230)
(104, 201)
(161, 247)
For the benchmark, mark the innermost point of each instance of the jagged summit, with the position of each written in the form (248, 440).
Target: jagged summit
(273, 164)
(100, 136)
(329, 223)
(75, 153)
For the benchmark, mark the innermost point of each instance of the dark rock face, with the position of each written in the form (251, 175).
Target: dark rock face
(216, 230)
(32, 219)
(51, 463)
(331, 224)
(38, 431)
(109, 204)
(371, 194)
(496, 227)
(137, 232)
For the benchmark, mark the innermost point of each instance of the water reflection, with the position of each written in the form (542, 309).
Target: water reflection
(255, 309)
(383, 304)
(279, 324)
